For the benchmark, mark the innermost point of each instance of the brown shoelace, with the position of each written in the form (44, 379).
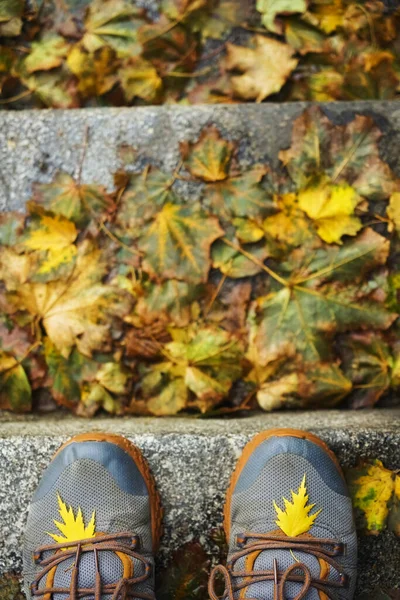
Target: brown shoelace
(125, 543)
(298, 572)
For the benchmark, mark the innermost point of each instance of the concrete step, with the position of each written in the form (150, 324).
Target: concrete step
(34, 145)
(192, 461)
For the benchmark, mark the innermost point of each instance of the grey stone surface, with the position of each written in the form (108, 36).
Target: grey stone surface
(192, 460)
(34, 145)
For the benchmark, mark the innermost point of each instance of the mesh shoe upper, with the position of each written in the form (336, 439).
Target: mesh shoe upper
(91, 490)
(273, 467)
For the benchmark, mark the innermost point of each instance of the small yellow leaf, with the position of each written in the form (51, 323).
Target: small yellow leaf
(372, 492)
(73, 527)
(393, 211)
(331, 207)
(295, 519)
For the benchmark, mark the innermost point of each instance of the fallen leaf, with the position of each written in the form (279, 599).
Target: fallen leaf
(113, 23)
(272, 9)
(265, 67)
(237, 262)
(201, 363)
(77, 311)
(46, 54)
(209, 158)
(367, 361)
(54, 237)
(15, 390)
(331, 207)
(288, 226)
(241, 196)
(393, 211)
(372, 488)
(76, 202)
(324, 297)
(347, 153)
(139, 79)
(176, 244)
(96, 72)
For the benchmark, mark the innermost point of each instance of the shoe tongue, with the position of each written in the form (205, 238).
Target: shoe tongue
(110, 567)
(264, 561)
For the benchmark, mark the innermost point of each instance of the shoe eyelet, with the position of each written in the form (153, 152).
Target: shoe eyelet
(339, 549)
(148, 570)
(240, 540)
(135, 541)
(344, 580)
(37, 557)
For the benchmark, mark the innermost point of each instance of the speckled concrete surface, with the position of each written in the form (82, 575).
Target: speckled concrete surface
(192, 461)
(34, 145)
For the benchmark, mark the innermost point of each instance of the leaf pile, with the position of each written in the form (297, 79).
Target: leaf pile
(67, 54)
(281, 288)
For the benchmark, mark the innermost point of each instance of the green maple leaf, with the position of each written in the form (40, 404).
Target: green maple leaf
(241, 196)
(176, 244)
(347, 153)
(144, 195)
(66, 374)
(200, 367)
(15, 389)
(209, 158)
(321, 297)
(74, 201)
(113, 23)
(368, 362)
(46, 54)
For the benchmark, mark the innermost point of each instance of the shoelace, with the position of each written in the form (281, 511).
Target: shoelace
(125, 543)
(325, 549)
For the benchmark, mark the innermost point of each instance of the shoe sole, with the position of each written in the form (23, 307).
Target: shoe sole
(249, 449)
(135, 453)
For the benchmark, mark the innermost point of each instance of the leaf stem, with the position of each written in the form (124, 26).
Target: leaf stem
(256, 261)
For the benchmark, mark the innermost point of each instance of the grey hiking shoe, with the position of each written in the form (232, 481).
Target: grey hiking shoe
(288, 522)
(94, 524)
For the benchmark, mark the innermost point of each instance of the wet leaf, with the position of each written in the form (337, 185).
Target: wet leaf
(272, 9)
(288, 226)
(140, 79)
(343, 153)
(265, 67)
(113, 23)
(368, 362)
(11, 12)
(53, 238)
(76, 311)
(65, 374)
(331, 207)
(209, 158)
(176, 244)
(64, 196)
(46, 54)
(303, 317)
(236, 264)
(200, 366)
(393, 211)
(15, 390)
(241, 196)
(96, 72)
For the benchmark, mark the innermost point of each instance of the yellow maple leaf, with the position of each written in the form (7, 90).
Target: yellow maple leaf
(296, 518)
(56, 236)
(79, 310)
(73, 526)
(331, 207)
(265, 67)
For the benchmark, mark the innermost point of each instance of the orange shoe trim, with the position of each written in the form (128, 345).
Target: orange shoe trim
(156, 510)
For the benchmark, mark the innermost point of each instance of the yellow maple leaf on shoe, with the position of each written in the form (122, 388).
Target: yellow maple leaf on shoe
(331, 207)
(73, 527)
(296, 518)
